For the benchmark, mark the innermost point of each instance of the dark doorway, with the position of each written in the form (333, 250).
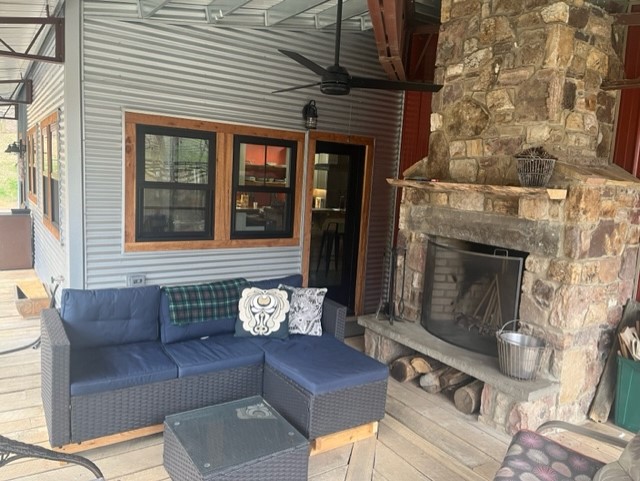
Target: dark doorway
(335, 226)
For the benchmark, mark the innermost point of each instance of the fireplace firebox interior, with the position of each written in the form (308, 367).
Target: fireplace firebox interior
(471, 290)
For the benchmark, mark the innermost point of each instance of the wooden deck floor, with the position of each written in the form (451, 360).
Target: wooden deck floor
(421, 438)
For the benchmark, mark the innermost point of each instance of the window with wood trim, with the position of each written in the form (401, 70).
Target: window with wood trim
(174, 183)
(263, 187)
(183, 192)
(32, 168)
(50, 156)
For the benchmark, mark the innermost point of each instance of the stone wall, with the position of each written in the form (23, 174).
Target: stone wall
(516, 74)
(580, 271)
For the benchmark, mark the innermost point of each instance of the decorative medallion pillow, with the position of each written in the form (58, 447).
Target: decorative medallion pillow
(263, 313)
(305, 314)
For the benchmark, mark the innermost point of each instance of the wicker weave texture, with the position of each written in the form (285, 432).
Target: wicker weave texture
(101, 414)
(333, 318)
(55, 360)
(316, 416)
(289, 465)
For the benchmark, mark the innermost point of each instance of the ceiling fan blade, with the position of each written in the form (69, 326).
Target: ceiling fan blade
(315, 84)
(382, 84)
(336, 55)
(302, 60)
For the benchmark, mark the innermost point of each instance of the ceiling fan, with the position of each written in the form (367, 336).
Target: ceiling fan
(336, 80)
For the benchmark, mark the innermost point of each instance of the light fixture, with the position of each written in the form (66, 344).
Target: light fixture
(310, 115)
(16, 148)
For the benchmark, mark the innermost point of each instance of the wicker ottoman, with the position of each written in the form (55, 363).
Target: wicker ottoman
(236, 441)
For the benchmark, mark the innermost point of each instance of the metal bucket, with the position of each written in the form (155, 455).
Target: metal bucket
(519, 355)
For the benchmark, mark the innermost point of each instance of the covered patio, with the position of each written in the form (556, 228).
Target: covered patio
(422, 437)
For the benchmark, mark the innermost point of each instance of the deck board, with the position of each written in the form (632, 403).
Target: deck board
(422, 437)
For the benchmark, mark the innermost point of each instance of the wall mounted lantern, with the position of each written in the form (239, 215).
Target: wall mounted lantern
(310, 115)
(16, 148)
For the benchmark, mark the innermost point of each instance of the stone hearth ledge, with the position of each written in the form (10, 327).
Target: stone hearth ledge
(482, 367)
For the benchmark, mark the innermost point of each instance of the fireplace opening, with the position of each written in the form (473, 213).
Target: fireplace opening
(470, 291)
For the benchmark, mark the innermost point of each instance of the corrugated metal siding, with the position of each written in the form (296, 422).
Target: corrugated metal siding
(48, 88)
(224, 75)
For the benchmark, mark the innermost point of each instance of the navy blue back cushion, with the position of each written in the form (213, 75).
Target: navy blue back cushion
(106, 317)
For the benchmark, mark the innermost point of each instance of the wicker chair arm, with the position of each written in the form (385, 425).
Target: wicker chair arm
(55, 360)
(11, 450)
(333, 318)
(612, 440)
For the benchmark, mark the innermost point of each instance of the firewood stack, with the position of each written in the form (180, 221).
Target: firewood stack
(435, 377)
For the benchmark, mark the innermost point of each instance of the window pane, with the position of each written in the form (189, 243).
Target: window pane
(262, 212)
(55, 217)
(45, 151)
(174, 210)
(55, 157)
(176, 159)
(45, 195)
(264, 165)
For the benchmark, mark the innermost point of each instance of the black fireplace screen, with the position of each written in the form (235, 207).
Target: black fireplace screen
(469, 293)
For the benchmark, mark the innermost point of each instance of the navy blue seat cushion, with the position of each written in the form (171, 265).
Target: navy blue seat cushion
(216, 353)
(105, 317)
(294, 280)
(170, 332)
(321, 364)
(101, 369)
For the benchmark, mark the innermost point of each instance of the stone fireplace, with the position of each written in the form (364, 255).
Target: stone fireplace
(518, 74)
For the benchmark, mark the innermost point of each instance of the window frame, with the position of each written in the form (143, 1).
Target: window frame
(207, 188)
(239, 139)
(49, 127)
(222, 185)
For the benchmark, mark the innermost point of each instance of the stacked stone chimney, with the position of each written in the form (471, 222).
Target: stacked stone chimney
(517, 74)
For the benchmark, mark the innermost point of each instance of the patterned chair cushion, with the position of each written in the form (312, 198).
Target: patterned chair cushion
(533, 457)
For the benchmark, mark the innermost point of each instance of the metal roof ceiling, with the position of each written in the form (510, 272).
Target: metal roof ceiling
(283, 14)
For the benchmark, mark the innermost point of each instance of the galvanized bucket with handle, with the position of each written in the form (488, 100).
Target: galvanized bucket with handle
(519, 355)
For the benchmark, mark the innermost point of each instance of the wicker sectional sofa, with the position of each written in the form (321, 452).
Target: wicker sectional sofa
(112, 362)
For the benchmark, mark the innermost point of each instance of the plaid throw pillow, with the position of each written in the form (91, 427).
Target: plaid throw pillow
(204, 302)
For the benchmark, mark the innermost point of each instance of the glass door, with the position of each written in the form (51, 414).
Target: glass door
(335, 230)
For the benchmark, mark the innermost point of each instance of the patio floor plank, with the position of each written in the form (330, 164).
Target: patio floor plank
(422, 438)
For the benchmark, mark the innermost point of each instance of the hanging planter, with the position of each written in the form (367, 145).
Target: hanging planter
(534, 166)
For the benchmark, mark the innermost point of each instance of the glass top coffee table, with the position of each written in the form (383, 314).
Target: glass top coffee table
(238, 440)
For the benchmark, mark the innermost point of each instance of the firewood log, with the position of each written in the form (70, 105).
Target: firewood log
(467, 398)
(430, 381)
(423, 364)
(453, 377)
(402, 370)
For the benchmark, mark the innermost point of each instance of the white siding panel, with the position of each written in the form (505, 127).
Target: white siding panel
(222, 75)
(48, 89)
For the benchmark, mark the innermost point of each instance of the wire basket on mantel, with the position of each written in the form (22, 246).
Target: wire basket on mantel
(534, 166)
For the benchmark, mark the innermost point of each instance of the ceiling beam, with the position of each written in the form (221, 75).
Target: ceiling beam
(632, 18)
(218, 9)
(350, 9)
(57, 25)
(23, 88)
(289, 8)
(9, 111)
(149, 7)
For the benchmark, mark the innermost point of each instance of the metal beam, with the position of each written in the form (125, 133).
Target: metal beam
(289, 8)
(218, 9)
(27, 92)
(149, 7)
(632, 18)
(9, 111)
(350, 9)
(57, 24)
